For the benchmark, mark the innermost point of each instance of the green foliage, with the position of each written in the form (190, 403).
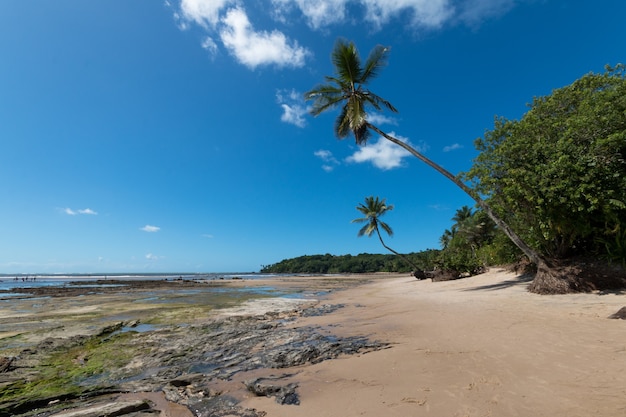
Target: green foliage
(614, 247)
(373, 209)
(344, 264)
(558, 175)
(500, 251)
(474, 242)
(348, 89)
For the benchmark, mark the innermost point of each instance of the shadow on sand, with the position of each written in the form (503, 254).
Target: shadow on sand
(517, 281)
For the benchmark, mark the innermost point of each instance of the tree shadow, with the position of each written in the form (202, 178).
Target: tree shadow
(526, 279)
(517, 281)
(617, 291)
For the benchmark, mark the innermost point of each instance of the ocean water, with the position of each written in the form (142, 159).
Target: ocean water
(8, 282)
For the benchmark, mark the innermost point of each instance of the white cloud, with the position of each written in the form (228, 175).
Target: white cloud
(293, 115)
(330, 162)
(318, 13)
(452, 147)
(152, 257)
(323, 13)
(253, 48)
(474, 12)
(208, 236)
(429, 14)
(71, 212)
(379, 119)
(227, 21)
(205, 13)
(439, 207)
(293, 107)
(324, 155)
(383, 154)
(150, 229)
(209, 44)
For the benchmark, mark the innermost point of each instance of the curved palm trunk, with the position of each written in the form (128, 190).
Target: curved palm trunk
(533, 255)
(415, 267)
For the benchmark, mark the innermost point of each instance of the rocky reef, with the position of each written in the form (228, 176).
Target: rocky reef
(186, 369)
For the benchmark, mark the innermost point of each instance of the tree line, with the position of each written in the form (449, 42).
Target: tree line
(353, 264)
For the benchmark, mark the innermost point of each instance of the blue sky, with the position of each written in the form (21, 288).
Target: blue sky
(151, 136)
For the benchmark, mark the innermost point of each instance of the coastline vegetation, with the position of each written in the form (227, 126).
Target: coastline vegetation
(471, 244)
(351, 264)
(553, 182)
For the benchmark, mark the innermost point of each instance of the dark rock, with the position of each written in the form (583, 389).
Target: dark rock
(186, 380)
(620, 314)
(115, 408)
(223, 406)
(419, 274)
(111, 329)
(6, 364)
(285, 394)
(321, 310)
(187, 362)
(132, 323)
(445, 275)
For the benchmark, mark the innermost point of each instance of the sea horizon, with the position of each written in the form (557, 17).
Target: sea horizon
(10, 281)
(123, 274)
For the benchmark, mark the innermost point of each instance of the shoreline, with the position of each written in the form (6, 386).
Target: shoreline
(157, 336)
(472, 347)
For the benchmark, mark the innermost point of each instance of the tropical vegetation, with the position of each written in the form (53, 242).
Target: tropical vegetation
(348, 90)
(558, 175)
(474, 243)
(355, 264)
(553, 182)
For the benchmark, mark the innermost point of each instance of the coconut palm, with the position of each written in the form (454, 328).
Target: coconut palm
(462, 215)
(373, 209)
(447, 237)
(348, 89)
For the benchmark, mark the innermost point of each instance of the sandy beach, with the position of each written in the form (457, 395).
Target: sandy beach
(481, 346)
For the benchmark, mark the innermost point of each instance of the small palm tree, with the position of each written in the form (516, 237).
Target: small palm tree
(462, 215)
(373, 209)
(348, 90)
(447, 237)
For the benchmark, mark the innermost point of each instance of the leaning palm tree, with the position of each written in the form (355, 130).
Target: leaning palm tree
(348, 90)
(373, 209)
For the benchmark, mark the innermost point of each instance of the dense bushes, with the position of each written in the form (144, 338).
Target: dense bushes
(473, 243)
(557, 176)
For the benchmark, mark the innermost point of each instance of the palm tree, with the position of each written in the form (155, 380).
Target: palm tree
(373, 209)
(462, 215)
(348, 90)
(447, 236)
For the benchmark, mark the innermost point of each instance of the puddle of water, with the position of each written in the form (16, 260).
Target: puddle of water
(8, 295)
(140, 328)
